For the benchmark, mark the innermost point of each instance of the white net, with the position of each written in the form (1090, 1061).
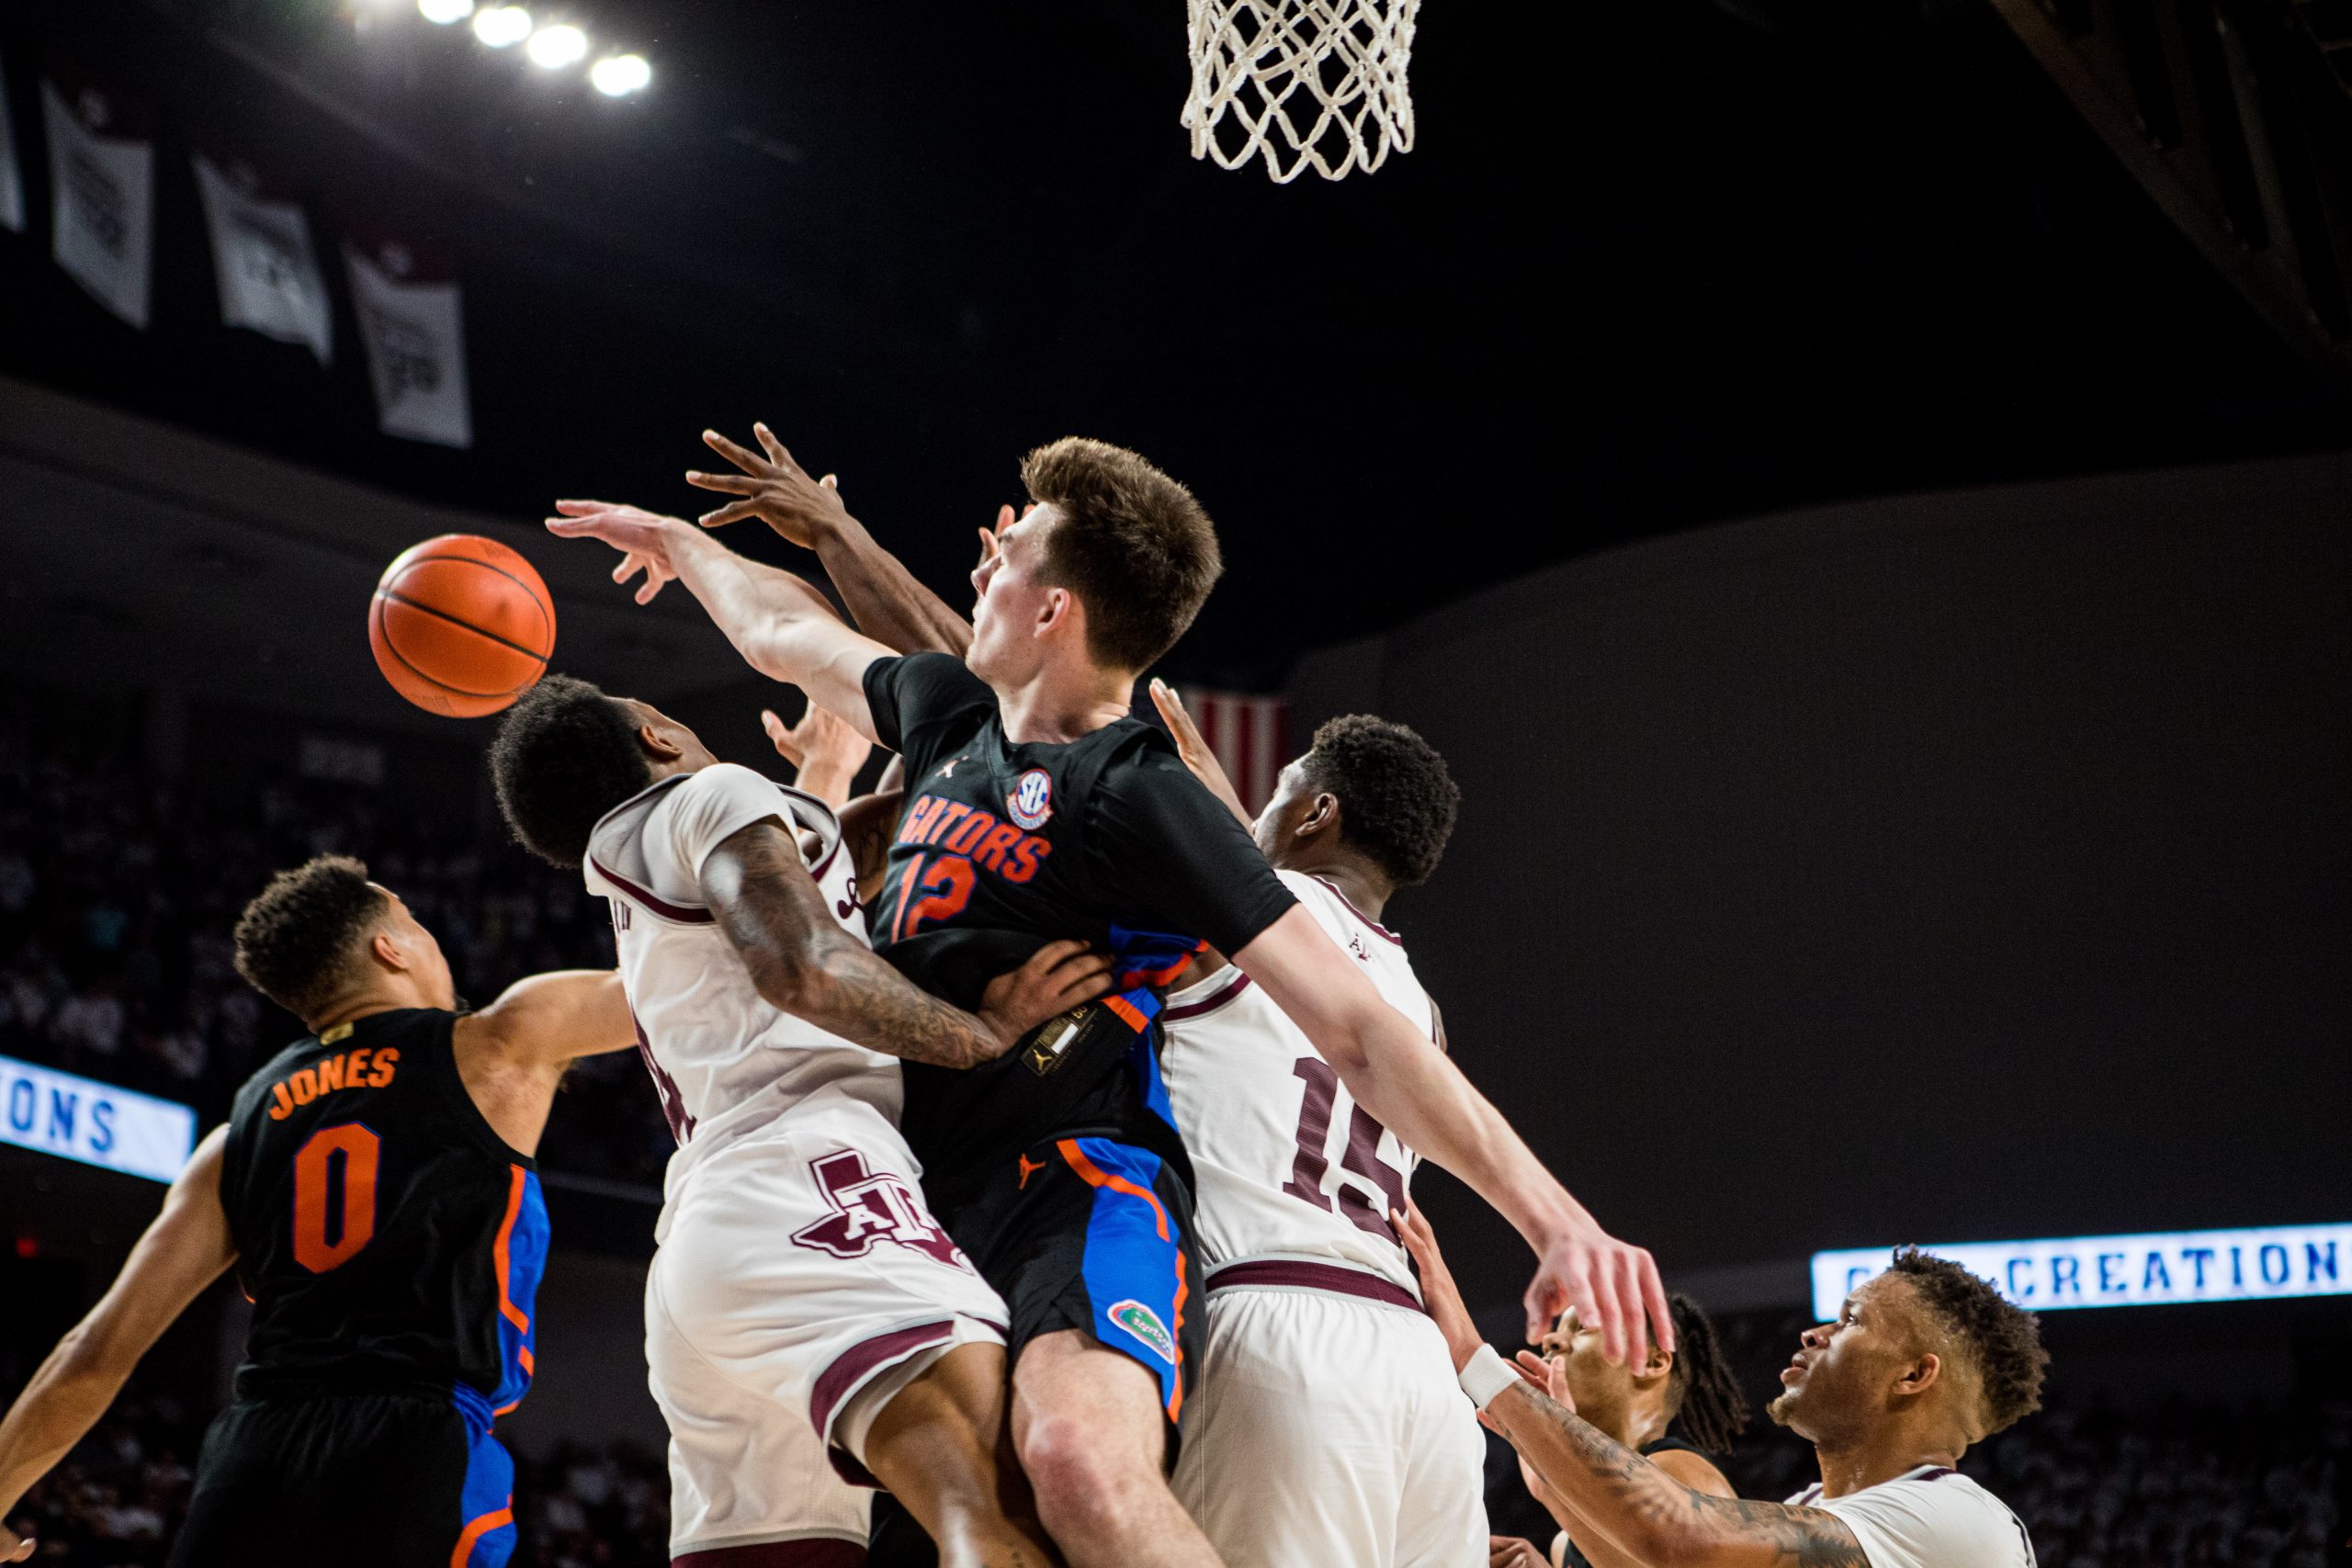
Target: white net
(1302, 83)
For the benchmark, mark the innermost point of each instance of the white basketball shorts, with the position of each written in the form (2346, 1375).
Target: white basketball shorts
(1328, 1429)
(800, 1282)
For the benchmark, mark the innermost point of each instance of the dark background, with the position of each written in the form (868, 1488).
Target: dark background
(1958, 865)
(1648, 266)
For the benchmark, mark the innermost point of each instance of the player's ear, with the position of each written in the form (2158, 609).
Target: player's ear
(1060, 607)
(385, 949)
(657, 743)
(1322, 815)
(1921, 1375)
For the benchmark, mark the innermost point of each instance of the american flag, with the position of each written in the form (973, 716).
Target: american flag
(1250, 736)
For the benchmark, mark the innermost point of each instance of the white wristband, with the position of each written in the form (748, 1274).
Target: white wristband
(1486, 1375)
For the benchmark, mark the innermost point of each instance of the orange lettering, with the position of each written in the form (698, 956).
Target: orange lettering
(388, 1061)
(330, 1075)
(970, 831)
(990, 852)
(951, 812)
(285, 1106)
(919, 820)
(306, 1087)
(355, 1220)
(355, 1069)
(1021, 864)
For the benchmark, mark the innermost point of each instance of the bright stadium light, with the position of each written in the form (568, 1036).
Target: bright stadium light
(442, 12)
(501, 26)
(558, 44)
(617, 75)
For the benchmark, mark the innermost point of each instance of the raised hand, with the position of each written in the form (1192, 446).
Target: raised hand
(1194, 749)
(643, 538)
(1511, 1552)
(772, 488)
(1439, 1293)
(1057, 977)
(1612, 1285)
(825, 749)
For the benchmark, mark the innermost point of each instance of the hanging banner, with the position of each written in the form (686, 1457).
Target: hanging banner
(1250, 736)
(410, 325)
(102, 191)
(12, 181)
(269, 274)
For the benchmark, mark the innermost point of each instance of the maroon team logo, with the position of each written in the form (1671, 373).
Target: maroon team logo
(869, 1208)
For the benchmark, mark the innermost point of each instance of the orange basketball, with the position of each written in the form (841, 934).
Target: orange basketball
(462, 625)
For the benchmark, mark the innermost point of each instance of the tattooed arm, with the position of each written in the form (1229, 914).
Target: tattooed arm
(1650, 1515)
(776, 916)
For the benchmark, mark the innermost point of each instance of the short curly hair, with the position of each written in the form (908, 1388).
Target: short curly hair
(1398, 803)
(299, 938)
(566, 753)
(2001, 1337)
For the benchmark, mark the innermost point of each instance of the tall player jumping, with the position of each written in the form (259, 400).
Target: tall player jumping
(1326, 1424)
(374, 1186)
(1039, 809)
(803, 1306)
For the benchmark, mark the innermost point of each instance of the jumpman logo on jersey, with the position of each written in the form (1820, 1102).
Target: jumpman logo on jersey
(1029, 1167)
(869, 1208)
(947, 768)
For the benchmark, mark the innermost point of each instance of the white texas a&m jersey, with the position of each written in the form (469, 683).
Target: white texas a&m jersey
(724, 1058)
(1287, 1165)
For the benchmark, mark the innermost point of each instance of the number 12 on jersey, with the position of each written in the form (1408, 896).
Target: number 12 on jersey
(1361, 1163)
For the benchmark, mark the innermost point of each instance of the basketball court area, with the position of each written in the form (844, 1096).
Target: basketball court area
(1852, 497)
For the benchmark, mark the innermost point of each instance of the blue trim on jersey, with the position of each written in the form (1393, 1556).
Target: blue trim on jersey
(527, 1263)
(1146, 961)
(1134, 1265)
(489, 1489)
(1143, 1060)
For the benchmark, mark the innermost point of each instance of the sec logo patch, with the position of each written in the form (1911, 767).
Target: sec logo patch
(1032, 800)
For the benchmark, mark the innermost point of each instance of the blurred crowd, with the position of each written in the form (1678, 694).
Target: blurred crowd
(118, 892)
(117, 1499)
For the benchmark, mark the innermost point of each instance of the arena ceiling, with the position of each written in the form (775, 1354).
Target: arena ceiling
(1673, 264)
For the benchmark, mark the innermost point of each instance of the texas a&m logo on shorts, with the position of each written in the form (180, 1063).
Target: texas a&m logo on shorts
(1032, 800)
(869, 1208)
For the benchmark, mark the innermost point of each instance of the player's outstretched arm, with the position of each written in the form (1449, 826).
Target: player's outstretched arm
(802, 961)
(182, 1252)
(546, 1019)
(1632, 1502)
(1405, 1080)
(824, 752)
(885, 600)
(781, 626)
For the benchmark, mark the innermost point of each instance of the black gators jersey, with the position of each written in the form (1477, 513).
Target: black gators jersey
(1003, 848)
(390, 1241)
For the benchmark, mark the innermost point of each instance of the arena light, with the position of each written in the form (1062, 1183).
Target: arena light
(2162, 1269)
(558, 44)
(501, 26)
(617, 75)
(441, 13)
(96, 1123)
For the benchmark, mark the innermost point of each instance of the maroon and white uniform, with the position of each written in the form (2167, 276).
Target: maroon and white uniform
(799, 1281)
(1327, 1426)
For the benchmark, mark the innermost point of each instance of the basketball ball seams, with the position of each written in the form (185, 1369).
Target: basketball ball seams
(397, 597)
(449, 631)
(439, 682)
(538, 591)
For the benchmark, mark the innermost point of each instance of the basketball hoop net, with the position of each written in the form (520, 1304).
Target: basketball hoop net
(1305, 83)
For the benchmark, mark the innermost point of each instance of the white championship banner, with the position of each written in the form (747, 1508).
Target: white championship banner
(2161, 1269)
(269, 276)
(412, 325)
(12, 179)
(96, 1123)
(102, 193)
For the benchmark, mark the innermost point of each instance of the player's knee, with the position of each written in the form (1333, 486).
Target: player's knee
(1082, 1483)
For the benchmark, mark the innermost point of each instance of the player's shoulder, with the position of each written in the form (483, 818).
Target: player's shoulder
(931, 679)
(1931, 1517)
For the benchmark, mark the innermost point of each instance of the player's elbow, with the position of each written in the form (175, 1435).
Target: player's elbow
(792, 974)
